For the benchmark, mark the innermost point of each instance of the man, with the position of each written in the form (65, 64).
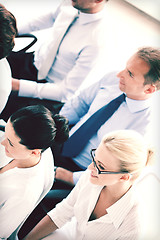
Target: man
(78, 51)
(139, 81)
(8, 31)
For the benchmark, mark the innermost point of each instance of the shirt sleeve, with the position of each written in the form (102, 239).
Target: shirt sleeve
(66, 88)
(12, 213)
(75, 108)
(64, 211)
(38, 23)
(76, 176)
(5, 83)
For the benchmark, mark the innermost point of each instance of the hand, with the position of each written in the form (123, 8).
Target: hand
(64, 175)
(15, 84)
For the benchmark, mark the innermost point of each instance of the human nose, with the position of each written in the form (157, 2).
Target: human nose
(91, 166)
(3, 142)
(120, 74)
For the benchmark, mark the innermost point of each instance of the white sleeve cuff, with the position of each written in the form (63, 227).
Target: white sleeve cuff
(27, 89)
(76, 176)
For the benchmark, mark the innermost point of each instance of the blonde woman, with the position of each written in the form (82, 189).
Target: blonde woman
(102, 205)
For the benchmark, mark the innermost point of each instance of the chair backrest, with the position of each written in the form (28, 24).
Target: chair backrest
(28, 36)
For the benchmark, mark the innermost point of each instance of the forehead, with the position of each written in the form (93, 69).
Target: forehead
(106, 157)
(10, 133)
(137, 66)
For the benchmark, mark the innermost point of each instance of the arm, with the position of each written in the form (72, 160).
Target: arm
(78, 106)
(38, 23)
(12, 212)
(5, 83)
(66, 88)
(57, 217)
(42, 229)
(74, 109)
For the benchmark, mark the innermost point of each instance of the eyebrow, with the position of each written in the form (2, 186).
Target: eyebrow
(100, 162)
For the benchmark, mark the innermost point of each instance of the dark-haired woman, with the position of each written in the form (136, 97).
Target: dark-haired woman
(27, 175)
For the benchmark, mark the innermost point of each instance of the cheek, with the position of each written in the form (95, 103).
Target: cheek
(90, 167)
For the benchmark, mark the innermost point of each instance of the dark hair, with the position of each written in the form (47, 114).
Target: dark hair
(8, 31)
(38, 128)
(151, 56)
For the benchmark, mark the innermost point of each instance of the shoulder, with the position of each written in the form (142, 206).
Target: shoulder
(5, 68)
(47, 162)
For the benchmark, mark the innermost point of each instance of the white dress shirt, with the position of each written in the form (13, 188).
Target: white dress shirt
(21, 189)
(132, 114)
(121, 222)
(5, 83)
(83, 46)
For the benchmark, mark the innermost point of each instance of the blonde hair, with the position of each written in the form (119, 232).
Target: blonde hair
(130, 148)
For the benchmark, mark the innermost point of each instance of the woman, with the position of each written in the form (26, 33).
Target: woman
(102, 204)
(8, 32)
(27, 175)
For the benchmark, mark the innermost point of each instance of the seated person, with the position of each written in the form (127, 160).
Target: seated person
(27, 174)
(8, 31)
(103, 204)
(62, 61)
(139, 81)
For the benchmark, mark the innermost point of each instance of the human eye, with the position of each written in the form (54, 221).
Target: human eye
(101, 166)
(130, 74)
(10, 143)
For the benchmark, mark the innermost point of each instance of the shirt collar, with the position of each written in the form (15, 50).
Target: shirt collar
(85, 18)
(137, 105)
(119, 210)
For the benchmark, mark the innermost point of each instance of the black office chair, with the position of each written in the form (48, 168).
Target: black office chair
(2, 128)
(27, 35)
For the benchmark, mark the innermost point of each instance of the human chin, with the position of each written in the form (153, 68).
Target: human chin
(121, 86)
(7, 153)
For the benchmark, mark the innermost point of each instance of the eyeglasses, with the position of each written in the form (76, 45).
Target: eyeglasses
(98, 170)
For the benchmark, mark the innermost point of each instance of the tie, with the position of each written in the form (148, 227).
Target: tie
(50, 49)
(74, 145)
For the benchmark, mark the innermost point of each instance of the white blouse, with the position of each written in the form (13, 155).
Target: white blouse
(21, 189)
(121, 222)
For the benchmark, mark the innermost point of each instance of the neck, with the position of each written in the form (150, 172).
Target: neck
(95, 9)
(28, 162)
(142, 97)
(115, 192)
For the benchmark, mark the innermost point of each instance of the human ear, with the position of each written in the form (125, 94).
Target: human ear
(36, 152)
(125, 177)
(150, 89)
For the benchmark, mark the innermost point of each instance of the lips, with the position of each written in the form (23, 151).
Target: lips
(94, 176)
(121, 83)
(6, 150)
